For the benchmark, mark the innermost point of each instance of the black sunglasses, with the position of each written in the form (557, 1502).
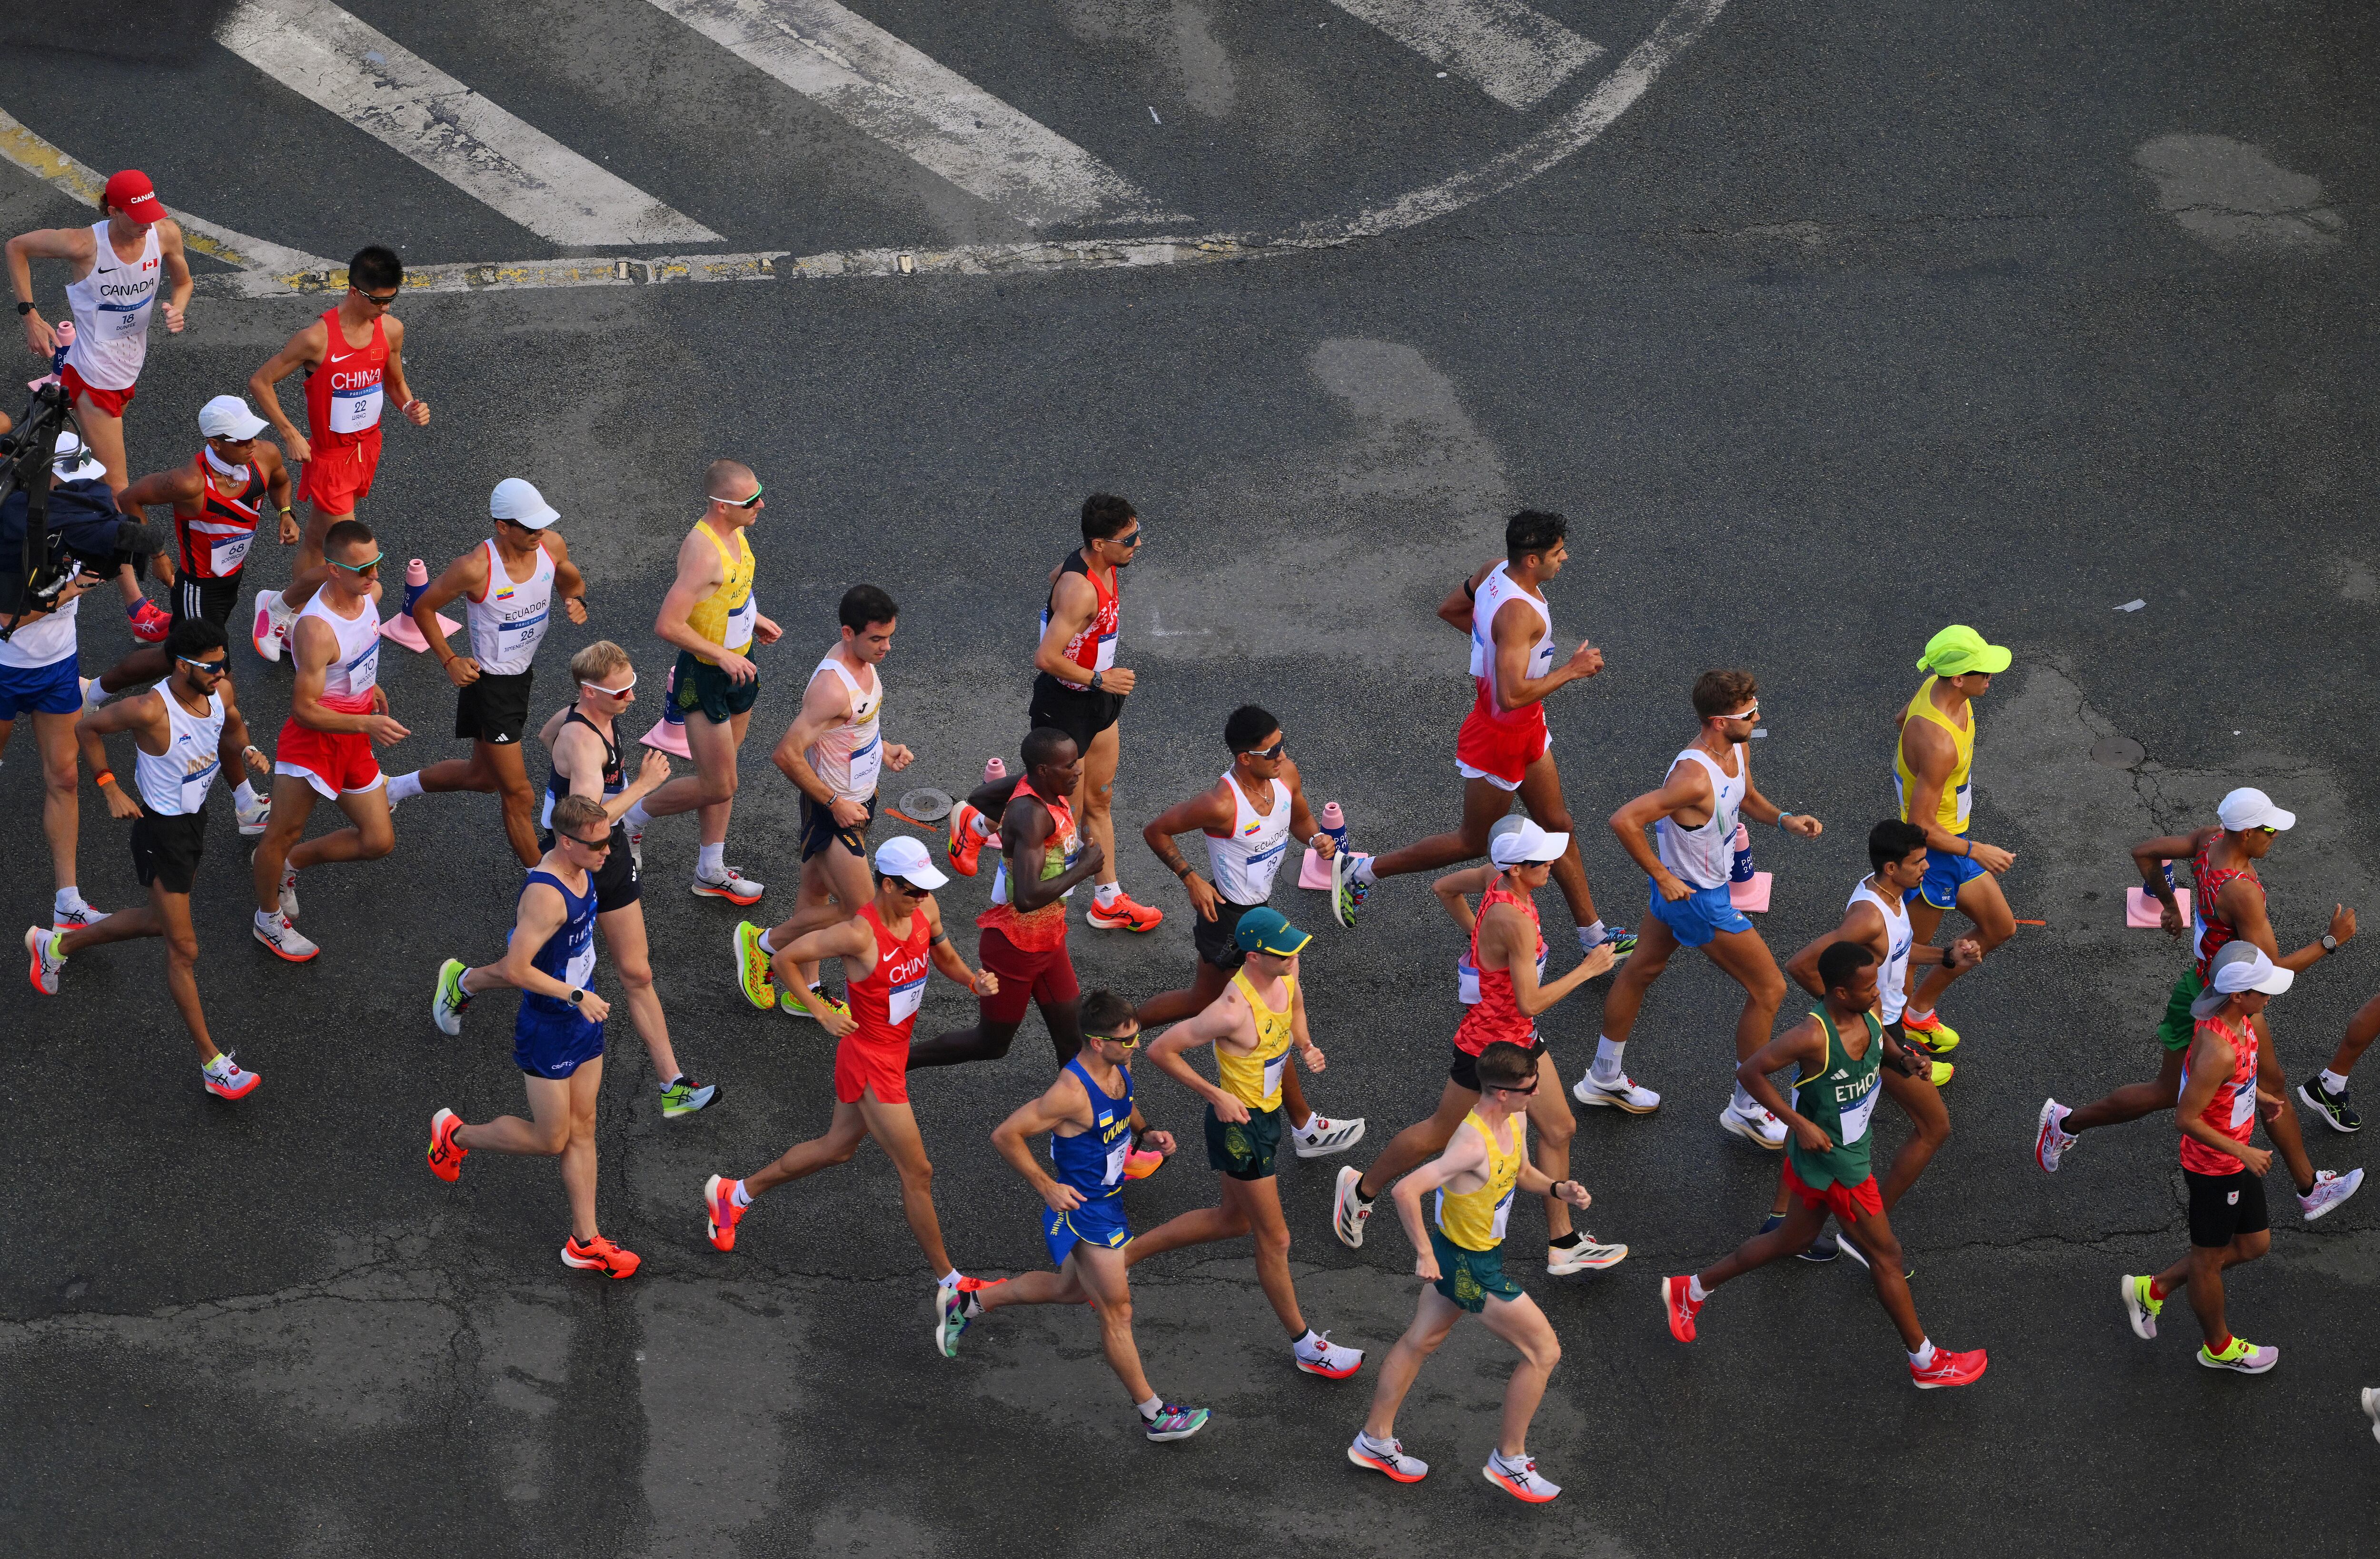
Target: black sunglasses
(1524, 1092)
(595, 844)
(378, 300)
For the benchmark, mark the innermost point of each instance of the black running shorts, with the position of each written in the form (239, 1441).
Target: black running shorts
(166, 850)
(2224, 1206)
(493, 709)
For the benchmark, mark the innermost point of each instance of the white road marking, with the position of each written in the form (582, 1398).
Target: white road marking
(1514, 54)
(331, 59)
(884, 88)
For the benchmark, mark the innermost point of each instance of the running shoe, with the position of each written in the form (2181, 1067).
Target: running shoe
(1122, 914)
(599, 1254)
(2141, 1308)
(1391, 1459)
(1347, 895)
(228, 1080)
(283, 941)
(720, 1211)
(1519, 1479)
(734, 887)
(637, 846)
(1818, 1252)
(289, 892)
(2240, 1354)
(2370, 1396)
(1850, 1247)
(1622, 943)
(1141, 1163)
(2051, 1139)
(752, 973)
(1681, 1310)
(1950, 1368)
(45, 947)
(446, 1155)
(951, 1319)
(1173, 1422)
(1320, 1136)
(2336, 1112)
(1585, 1256)
(449, 1000)
(2330, 1189)
(966, 848)
(150, 621)
(1934, 1036)
(1348, 1209)
(790, 1003)
(1760, 1128)
(1621, 1094)
(252, 819)
(271, 630)
(682, 1097)
(76, 918)
(1941, 1073)
(1317, 1355)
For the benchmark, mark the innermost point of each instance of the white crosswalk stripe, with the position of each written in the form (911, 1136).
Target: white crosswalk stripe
(322, 54)
(884, 88)
(1514, 54)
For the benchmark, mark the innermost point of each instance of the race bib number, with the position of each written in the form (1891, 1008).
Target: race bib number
(1503, 1211)
(355, 411)
(2243, 1104)
(1466, 982)
(902, 1004)
(1273, 1073)
(739, 624)
(228, 552)
(582, 965)
(1106, 659)
(1855, 1119)
(1966, 800)
(1118, 1151)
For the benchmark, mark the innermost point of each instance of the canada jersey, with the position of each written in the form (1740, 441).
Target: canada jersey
(212, 542)
(342, 396)
(884, 999)
(112, 308)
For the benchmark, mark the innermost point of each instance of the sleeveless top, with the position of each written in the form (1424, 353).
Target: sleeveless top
(213, 541)
(343, 395)
(1892, 976)
(724, 616)
(1496, 1016)
(2213, 933)
(175, 784)
(1255, 1079)
(44, 641)
(1494, 591)
(1702, 857)
(1092, 1161)
(355, 670)
(1958, 793)
(508, 620)
(884, 999)
(1036, 930)
(2232, 1111)
(1094, 649)
(112, 308)
(570, 954)
(1244, 861)
(1839, 1097)
(1474, 1219)
(850, 756)
(557, 784)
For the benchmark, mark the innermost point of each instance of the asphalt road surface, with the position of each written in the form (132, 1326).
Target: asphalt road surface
(1856, 321)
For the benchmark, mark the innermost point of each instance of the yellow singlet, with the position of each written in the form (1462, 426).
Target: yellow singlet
(1957, 795)
(1255, 1079)
(1474, 1219)
(725, 610)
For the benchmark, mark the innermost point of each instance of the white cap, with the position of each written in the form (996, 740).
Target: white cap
(227, 417)
(1528, 842)
(517, 500)
(72, 463)
(2248, 807)
(909, 859)
(2240, 966)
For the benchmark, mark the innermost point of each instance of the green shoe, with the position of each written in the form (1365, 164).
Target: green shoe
(684, 1096)
(2140, 1306)
(794, 1005)
(1347, 895)
(448, 1002)
(752, 974)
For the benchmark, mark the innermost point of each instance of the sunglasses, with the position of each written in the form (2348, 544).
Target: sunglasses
(211, 667)
(365, 567)
(751, 502)
(597, 845)
(378, 300)
(1131, 1043)
(1273, 751)
(1133, 538)
(910, 889)
(2266, 830)
(613, 692)
(1522, 1092)
(1750, 714)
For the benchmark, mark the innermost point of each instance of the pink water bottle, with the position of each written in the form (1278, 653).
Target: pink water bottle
(1334, 823)
(995, 772)
(1741, 869)
(417, 579)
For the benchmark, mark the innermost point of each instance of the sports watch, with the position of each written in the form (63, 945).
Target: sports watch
(578, 997)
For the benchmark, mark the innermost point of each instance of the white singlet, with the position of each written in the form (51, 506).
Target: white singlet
(1244, 863)
(508, 620)
(44, 641)
(1494, 591)
(849, 756)
(355, 671)
(176, 785)
(111, 313)
(1891, 979)
(1702, 857)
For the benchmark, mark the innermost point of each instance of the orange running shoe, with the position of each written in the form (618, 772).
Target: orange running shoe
(719, 1206)
(1123, 915)
(965, 847)
(966, 1284)
(599, 1254)
(1141, 1163)
(446, 1155)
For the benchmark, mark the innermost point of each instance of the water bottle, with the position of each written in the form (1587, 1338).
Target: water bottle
(416, 580)
(671, 713)
(1741, 870)
(995, 772)
(65, 335)
(1334, 823)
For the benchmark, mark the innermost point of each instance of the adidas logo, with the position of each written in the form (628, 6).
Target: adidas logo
(1841, 1075)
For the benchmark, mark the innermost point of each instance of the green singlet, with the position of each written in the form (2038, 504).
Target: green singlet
(1838, 1098)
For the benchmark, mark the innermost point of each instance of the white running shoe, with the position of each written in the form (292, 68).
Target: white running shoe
(1320, 1136)
(1621, 1094)
(730, 885)
(1760, 1128)
(2241, 1358)
(252, 819)
(2050, 1143)
(284, 939)
(1322, 1357)
(1391, 1458)
(1519, 1479)
(2330, 1189)
(227, 1079)
(271, 630)
(42, 943)
(2370, 1399)
(636, 847)
(1585, 1256)
(76, 919)
(1349, 1211)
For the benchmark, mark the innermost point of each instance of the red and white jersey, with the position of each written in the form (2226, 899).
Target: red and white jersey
(112, 308)
(342, 396)
(1493, 593)
(1496, 1015)
(884, 1001)
(355, 670)
(213, 542)
(2232, 1111)
(1094, 649)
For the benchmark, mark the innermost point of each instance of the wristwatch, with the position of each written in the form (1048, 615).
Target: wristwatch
(2329, 943)
(578, 997)
(1095, 680)
(23, 309)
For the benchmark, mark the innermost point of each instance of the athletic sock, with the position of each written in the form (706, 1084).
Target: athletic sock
(637, 817)
(1149, 1410)
(93, 695)
(1911, 1015)
(1925, 1354)
(69, 900)
(1364, 873)
(245, 793)
(1607, 1058)
(1310, 1339)
(2221, 1348)
(673, 1083)
(741, 1197)
(1694, 1290)
(1109, 892)
(1588, 935)
(766, 946)
(1567, 1241)
(269, 919)
(1378, 1447)
(2332, 1083)
(949, 1279)
(1744, 1103)
(710, 861)
(219, 1067)
(2157, 1290)
(403, 786)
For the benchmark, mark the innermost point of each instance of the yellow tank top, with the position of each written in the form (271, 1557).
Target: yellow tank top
(1255, 1079)
(1957, 795)
(1474, 1219)
(724, 616)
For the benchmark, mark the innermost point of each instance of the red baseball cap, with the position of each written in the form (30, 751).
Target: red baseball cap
(131, 193)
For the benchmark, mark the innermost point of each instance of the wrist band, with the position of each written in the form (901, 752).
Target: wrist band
(1971, 848)
(104, 776)
(1781, 816)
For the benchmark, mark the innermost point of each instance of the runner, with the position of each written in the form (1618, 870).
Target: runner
(2326, 1094)
(1248, 818)
(557, 1038)
(586, 747)
(1091, 1123)
(337, 710)
(113, 267)
(1932, 768)
(509, 615)
(1079, 689)
(884, 948)
(1835, 1053)
(1252, 1026)
(1506, 948)
(1023, 935)
(1694, 816)
(185, 732)
(2227, 1083)
(1461, 1261)
(354, 358)
(1505, 748)
(833, 753)
(712, 617)
(2227, 904)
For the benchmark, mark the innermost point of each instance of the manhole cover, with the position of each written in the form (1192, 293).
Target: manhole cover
(927, 805)
(2118, 752)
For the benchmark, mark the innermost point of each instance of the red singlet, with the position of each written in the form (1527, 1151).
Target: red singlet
(1495, 1016)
